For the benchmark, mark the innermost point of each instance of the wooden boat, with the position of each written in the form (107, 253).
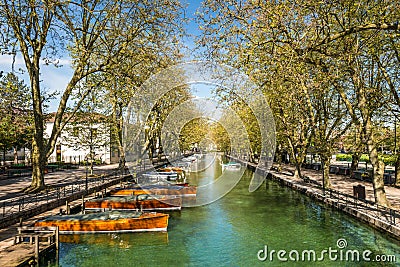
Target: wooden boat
(171, 169)
(155, 190)
(186, 166)
(107, 222)
(232, 166)
(161, 175)
(137, 202)
(181, 174)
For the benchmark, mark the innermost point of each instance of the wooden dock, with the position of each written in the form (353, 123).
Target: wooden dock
(30, 244)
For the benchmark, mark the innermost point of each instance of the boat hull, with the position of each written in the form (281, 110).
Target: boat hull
(167, 203)
(149, 222)
(183, 191)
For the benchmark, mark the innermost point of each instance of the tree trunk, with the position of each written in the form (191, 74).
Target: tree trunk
(354, 163)
(38, 144)
(377, 175)
(91, 166)
(297, 171)
(38, 166)
(118, 124)
(397, 170)
(15, 155)
(4, 156)
(326, 161)
(297, 160)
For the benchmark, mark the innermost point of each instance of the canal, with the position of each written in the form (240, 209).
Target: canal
(240, 229)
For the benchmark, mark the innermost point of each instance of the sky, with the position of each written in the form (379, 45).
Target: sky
(56, 79)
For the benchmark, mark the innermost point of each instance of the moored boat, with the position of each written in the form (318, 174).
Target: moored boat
(232, 166)
(136, 202)
(161, 175)
(107, 222)
(155, 190)
(171, 169)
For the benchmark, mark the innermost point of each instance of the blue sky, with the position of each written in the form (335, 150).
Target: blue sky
(56, 79)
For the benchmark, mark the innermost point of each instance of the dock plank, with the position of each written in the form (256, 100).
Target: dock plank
(20, 253)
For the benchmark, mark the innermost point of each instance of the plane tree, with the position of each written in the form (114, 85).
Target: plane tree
(15, 115)
(91, 33)
(340, 43)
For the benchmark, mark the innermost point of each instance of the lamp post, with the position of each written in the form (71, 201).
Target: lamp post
(146, 137)
(86, 179)
(323, 177)
(395, 150)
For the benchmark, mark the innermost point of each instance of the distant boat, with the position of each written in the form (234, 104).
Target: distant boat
(232, 166)
(177, 190)
(181, 176)
(159, 176)
(171, 169)
(189, 159)
(137, 202)
(186, 166)
(107, 222)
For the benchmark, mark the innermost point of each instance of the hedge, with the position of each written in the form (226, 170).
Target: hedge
(387, 159)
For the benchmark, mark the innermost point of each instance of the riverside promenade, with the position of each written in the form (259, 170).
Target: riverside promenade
(10, 188)
(341, 195)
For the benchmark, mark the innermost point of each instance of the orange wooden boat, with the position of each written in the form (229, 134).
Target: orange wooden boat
(108, 222)
(172, 169)
(183, 191)
(138, 202)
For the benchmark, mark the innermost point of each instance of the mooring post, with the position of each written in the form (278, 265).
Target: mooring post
(67, 211)
(57, 238)
(37, 250)
(83, 204)
(57, 245)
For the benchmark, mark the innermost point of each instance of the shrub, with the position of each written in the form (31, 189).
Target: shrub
(343, 157)
(364, 158)
(388, 159)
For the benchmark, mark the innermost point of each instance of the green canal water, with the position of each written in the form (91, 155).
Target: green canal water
(236, 230)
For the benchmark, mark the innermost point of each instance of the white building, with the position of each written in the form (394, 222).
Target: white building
(78, 139)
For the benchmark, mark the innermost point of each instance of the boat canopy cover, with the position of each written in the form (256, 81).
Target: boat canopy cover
(107, 215)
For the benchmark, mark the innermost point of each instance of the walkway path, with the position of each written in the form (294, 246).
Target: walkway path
(11, 187)
(345, 185)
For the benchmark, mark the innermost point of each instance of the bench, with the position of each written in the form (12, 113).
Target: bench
(306, 179)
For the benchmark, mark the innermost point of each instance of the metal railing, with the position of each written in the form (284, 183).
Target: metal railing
(12, 206)
(19, 204)
(377, 211)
